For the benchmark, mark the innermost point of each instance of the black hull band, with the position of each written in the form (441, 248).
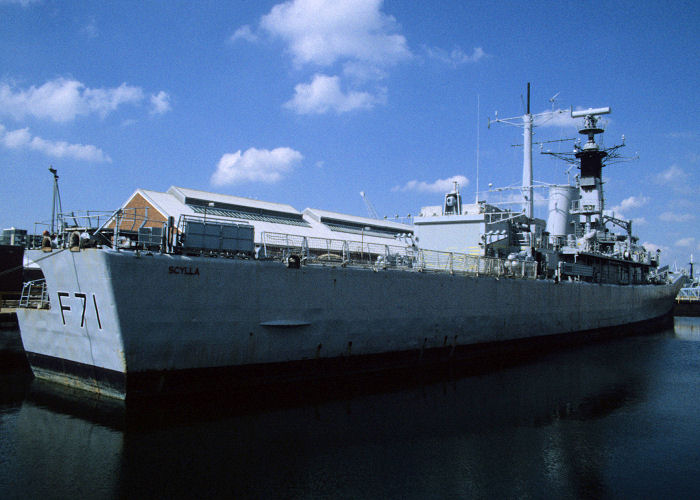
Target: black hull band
(80, 375)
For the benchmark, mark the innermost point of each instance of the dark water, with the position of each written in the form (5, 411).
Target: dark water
(614, 419)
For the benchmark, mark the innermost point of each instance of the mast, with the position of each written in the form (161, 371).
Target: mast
(477, 147)
(528, 202)
(591, 158)
(525, 121)
(56, 200)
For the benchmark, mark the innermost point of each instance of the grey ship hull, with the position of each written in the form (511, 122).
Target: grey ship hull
(121, 323)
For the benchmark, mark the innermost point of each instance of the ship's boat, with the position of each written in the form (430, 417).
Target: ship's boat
(215, 293)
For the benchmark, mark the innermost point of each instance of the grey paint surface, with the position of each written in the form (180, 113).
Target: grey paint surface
(132, 313)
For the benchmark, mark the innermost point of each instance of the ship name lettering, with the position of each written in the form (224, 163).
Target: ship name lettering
(193, 271)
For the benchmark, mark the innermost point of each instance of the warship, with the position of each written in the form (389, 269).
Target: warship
(186, 289)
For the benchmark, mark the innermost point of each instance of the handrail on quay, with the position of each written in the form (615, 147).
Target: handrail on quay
(690, 294)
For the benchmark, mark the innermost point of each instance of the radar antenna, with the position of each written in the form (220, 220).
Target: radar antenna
(590, 129)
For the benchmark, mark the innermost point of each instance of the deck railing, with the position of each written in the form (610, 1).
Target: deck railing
(359, 253)
(34, 295)
(320, 250)
(127, 229)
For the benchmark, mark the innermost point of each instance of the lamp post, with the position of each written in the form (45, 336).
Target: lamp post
(362, 242)
(210, 204)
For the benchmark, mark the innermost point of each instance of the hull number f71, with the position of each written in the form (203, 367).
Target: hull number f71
(84, 298)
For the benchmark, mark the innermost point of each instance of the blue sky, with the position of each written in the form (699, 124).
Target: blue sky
(309, 102)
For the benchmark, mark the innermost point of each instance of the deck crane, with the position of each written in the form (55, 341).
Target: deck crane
(370, 208)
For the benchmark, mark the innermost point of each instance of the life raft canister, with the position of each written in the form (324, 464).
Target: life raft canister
(46, 245)
(293, 262)
(74, 241)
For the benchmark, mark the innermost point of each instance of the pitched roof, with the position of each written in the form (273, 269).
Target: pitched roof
(185, 193)
(271, 217)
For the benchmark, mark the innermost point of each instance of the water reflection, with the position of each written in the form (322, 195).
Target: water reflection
(687, 328)
(527, 430)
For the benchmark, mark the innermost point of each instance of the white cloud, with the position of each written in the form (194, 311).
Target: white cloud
(682, 204)
(22, 139)
(653, 247)
(639, 221)
(62, 100)
(556, 118)
(59, 100)
(685, 242)
(244, 33)
(160, 103)
(683, 135)
(540, 200)
(438, 186)
(361, 72)
(321, 32)
(324, 94)
(634, 202)
(104, 101)
(23, 3)
(455, 57)
(16, 138)
(673, 175)
(676, 217)
(630, 203)
(255, 165)
(354, 34)
(60, 149)
(693, 157)
(90, 30)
